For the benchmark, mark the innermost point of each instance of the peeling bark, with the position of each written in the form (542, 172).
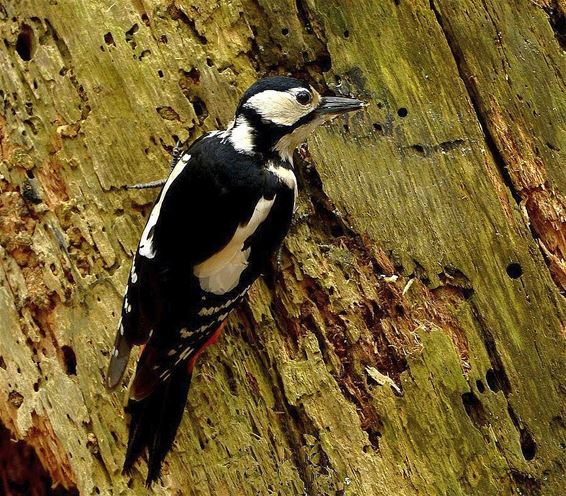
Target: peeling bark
(413, 340)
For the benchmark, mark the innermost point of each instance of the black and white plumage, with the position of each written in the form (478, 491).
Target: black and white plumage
(221, 215)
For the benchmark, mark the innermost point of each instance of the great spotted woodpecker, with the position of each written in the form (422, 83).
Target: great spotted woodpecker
(221, 214)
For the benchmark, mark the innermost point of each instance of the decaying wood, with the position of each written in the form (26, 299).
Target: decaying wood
(413, 340)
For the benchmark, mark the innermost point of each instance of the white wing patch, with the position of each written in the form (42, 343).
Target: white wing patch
(133, 273)
(146, 248)
(221, 272)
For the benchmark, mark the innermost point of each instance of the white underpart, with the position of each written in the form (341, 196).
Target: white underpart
(221, 272)
(241, 135)
(281, 107)
(146, 248)
(286, 176)
(287, 144)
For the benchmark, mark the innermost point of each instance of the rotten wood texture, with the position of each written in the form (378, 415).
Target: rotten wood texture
(413, 341)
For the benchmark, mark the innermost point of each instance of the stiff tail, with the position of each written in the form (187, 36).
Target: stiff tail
(154, 422)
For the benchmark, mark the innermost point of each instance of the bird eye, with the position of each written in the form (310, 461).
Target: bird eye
(304, 97)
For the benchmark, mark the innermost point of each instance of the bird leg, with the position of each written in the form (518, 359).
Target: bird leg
(175, 156)
(152, 184)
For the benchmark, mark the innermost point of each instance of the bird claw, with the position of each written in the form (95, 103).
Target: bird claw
(175, 156)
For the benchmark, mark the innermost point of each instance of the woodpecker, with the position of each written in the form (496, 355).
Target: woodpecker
(220, 216)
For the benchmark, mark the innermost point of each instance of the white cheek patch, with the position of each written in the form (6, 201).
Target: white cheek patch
(146, 248)
(279, 107)
(221, 272)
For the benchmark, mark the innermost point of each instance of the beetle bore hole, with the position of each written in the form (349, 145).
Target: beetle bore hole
(70, 360)
(109, 39)
(285, 31)
(528, 445)
(24, 43)
(492, 380)
(346, 34)
(200, 107)
(402, 112)
(514, 270)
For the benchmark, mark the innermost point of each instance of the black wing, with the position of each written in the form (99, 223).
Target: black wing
(210, 192)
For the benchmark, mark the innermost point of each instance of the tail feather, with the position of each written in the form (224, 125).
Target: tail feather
(155, 420)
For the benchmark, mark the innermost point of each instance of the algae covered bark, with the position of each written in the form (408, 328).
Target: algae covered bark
(412, 341)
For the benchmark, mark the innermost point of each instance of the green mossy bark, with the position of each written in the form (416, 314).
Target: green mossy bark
(395, 354)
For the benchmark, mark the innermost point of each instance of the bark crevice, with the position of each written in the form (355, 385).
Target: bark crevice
(525, 195)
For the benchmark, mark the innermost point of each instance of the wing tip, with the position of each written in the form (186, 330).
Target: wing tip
(114, 375)
(145, 380)
(118, 363)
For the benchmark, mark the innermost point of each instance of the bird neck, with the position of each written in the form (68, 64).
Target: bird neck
(255, 138)
(242, 135)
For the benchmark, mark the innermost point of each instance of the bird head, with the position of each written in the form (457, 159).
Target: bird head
(276, 115)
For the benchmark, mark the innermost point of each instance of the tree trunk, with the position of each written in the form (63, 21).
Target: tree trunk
(413, 341)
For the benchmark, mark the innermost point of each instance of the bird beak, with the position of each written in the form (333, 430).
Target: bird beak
(335, 105)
